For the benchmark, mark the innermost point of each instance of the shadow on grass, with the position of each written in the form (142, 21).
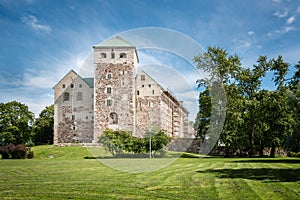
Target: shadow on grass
(266, 174)
(143, 155)
(270, 160)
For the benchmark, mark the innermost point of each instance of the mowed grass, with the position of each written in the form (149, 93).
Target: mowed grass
(64, 173)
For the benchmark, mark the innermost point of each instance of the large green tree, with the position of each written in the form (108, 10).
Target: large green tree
(43, 130)
(15, 123)
(255, 118)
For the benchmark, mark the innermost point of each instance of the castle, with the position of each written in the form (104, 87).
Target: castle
(118, 97)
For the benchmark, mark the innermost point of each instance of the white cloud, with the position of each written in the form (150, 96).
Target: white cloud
(290, 20)
(285, 29)
(281, 14)
(250, 33)
(34, 23)
(245, 44)
(276, 1)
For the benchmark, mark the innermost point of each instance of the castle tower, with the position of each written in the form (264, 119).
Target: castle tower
(115, 65)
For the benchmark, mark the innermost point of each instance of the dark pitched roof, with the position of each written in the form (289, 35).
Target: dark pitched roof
(89, 81)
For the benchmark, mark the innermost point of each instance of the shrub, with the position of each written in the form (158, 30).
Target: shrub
(294, 154)
(30, 154)
(12, 151)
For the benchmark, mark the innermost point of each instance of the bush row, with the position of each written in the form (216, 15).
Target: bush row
(19, 151)
(294, 154)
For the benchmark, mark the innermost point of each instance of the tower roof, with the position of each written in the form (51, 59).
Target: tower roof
(115, 42)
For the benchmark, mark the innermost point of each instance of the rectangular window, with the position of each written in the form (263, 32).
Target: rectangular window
(79, 96)
(66, 96)
(108, 102)
(108, 76)
(72, 85)
(108, 90)
(80, 85)
(63, 86)
(74, 109)
(142, 77)
(73, 117)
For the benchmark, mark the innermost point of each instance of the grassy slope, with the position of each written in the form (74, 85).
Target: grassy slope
(69, 176)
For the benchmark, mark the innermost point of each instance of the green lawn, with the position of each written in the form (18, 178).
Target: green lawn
(68, 175)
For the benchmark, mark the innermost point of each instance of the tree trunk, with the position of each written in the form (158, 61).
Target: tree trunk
(261, 150)
(251, 140)
(272, 153)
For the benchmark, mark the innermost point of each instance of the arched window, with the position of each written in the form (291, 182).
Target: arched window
(102, 55)
(66, 96)
(123, 55)
(114, 117)
(79, 96)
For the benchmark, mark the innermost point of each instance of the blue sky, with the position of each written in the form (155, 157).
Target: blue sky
(42, 40)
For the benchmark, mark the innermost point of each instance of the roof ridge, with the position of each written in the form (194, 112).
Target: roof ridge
(115, 42)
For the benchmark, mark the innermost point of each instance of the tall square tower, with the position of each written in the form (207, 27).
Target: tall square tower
(115, 68)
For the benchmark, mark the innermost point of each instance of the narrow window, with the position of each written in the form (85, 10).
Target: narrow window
(142, 77)
(112, 55)
(138, 92)
(103, 55)
(86, 117)
(79, 96)
(152, 91)
(80, 85)
(108, 102)
(72, 85)
(109, 76)
(63, 86)
(149, 85)
(73, 117)
(108, 90)
(66, 96)
(74, 128)
(123, 55)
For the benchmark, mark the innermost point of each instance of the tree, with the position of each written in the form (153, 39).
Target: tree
(223, 69)
(292, 142)
(15, 123)
(44, 126)
(158, 141)
(255, 118)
